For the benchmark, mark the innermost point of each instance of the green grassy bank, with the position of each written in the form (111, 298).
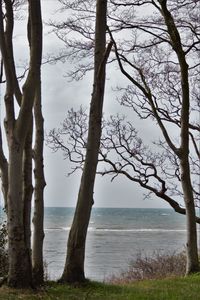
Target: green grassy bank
(175, 288)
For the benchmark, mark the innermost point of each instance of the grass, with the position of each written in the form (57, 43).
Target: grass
(177, 288)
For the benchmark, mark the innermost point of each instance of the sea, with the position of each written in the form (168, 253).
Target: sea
(116, 236)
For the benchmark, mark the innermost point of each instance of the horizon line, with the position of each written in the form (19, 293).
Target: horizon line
(111, 207)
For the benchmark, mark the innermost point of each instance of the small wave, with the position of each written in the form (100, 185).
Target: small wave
(65, 229)
(140, 230)
(119, 229)
(53, 229)
(57, 229)
(165, 214)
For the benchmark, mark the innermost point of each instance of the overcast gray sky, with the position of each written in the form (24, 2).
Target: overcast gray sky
(58, 96)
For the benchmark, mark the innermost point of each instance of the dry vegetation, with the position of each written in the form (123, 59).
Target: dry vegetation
(157, 266)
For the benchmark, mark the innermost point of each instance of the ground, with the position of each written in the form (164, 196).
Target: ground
(178, 288)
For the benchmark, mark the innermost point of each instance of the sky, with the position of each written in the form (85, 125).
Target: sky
(58, 96)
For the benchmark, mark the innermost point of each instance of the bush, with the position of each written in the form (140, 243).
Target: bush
(157, 266)
(3, 250)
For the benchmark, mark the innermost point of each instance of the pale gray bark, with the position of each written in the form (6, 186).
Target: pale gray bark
(27, 187)
(19, 260)
(3, 172)
(20, 274)
(74, 265)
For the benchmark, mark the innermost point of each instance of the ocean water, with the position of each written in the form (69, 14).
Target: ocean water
(115, 236)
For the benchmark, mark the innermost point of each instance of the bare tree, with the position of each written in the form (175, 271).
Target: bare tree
(77, 32)
(17, 129)
(178, 67)
(125, 153)
(74, 266)
(158, 53)
(38, 232)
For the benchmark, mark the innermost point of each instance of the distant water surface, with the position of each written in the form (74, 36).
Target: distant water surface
(115, 236)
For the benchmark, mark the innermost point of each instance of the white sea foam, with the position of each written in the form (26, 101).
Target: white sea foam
(139, 230)
(165, 214)
(120, 229)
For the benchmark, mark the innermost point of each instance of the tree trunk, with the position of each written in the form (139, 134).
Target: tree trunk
(192, 265)
(183, 152)
(74, 266)
(17, 130)
(27, 186)
(3, 172)
(38, 230)
(27, 190)
(19, 255)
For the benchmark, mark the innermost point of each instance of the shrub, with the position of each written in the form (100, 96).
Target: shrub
(3, 250)
(157, 266)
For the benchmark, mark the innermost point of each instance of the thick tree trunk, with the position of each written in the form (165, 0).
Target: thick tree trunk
(20, 274)
(74, 266)
(38, 218)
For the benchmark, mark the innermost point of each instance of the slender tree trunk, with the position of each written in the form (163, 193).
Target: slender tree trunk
(19, 256)
(3, 172)
(27, 188)
(38, 219)
(183, 153)
(192, 265)
(74, 266)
